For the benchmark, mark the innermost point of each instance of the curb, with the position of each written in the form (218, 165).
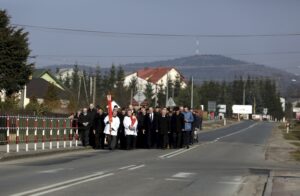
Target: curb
(22, 155)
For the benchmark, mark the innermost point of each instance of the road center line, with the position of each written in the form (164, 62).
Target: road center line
(180, 152)
(137, 167)
(237, 132)
(165, 155)
(70, 185)
(59, 184)
(51, 171)
(126, 167)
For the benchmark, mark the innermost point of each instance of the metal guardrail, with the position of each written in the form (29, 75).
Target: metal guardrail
(16, 130)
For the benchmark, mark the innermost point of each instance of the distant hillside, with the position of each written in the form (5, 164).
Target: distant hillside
(221, 68)
(213, 67)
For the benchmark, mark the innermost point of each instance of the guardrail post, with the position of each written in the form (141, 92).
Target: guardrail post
(27, 134)
(43, 134)
(65, 133)
(35, 134)
(7, 135)
(76, 135)
(71, 133)
(57, 134)
(50, 137)
(17, 134)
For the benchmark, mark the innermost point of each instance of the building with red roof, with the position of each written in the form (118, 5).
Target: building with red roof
(158, 77)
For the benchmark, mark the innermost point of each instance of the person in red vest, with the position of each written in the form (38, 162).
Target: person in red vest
(130, 124)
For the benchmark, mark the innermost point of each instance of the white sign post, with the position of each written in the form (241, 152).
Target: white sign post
(241, 109)
(139, 97)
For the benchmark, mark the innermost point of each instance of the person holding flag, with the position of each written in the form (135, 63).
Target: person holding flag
(130, 124)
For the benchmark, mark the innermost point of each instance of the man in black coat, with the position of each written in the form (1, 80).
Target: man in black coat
(163, 128)
(99, 128)
(92, 111)
(151, 129)
(85, 121)
(177, 126)
(121, 132)
(141, 128)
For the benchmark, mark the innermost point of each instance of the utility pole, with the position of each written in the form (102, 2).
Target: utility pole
(79, 90)
(167, 91)
(91, 88)
(85, 90)
(94, 93)
(244, 92)
(192, 93)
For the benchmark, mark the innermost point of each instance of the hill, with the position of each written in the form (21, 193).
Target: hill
(214, 67)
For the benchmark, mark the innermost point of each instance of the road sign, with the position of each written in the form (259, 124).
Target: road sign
(296, 109)
(222, 108)
(171, 102)
(265, 111)
(242, 109)
(139, 97)
(211, 106)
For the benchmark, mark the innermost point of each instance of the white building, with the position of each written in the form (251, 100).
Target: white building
(158, 77)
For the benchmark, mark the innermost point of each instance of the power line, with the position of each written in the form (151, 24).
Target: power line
(115, 33)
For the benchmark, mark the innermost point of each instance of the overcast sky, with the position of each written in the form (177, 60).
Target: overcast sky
(163, 17)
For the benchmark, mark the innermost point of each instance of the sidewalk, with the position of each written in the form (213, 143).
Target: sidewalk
(282, 183)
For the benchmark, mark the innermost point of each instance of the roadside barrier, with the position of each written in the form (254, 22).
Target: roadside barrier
(26, 133)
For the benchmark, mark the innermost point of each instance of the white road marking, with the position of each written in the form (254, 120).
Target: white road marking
(137, 167)
(165, 155)
(183, 151)
(237, 132)
(183, 175)
(50, 171)
(176, 179)
(126, 167)
(59, 184)
(73, 184)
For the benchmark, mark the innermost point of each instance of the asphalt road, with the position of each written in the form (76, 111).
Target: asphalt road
(224, 162)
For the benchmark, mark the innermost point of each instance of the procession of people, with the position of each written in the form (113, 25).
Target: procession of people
(129, 128)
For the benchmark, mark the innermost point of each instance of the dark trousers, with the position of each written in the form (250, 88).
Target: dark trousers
(99, 140)
(154, 140)
(186, 138)
(112, 141)
(148, 140)
(163, 140)
(177, 137)
(92, 137)
(130, 142)
(84, 135)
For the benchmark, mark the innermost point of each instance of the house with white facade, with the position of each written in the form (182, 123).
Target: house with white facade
(158, 77)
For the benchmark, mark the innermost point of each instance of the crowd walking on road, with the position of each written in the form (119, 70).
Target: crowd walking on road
(129, 128)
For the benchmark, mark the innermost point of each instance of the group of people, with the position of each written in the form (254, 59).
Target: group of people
(128, 128)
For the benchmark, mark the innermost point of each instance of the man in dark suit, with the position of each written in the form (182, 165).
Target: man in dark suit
(99, 128)
(92, 111)
(177, 126)
(85, 121)
(141, 128)
(151, 129)
(163, 128)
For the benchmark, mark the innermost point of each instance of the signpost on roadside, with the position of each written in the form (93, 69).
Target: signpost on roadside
(171, 103)
(241, 109)
(212, 105)
(139, 97)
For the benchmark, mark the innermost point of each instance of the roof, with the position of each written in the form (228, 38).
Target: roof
(38, 73)
(38, 87)
(153, 74)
